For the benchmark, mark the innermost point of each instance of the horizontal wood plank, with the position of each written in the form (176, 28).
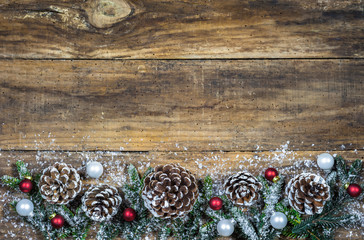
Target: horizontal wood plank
(149, 29)
(144, 105)
(217, 164)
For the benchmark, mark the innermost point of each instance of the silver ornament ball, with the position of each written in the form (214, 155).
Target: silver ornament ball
(225, 228)
(278, 220)
(94, 169)
(24, 207)
(325, 161)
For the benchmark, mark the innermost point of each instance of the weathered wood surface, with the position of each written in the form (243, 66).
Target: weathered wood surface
(217, 164)
(144, 105)
(145, 29)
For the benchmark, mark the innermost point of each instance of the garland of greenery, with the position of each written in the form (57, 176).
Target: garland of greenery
(201, 222)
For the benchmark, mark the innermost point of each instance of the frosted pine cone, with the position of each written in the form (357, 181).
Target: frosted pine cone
(60, 183)
(242, 189)
(101, 203)
(170, 191)
(308, 193)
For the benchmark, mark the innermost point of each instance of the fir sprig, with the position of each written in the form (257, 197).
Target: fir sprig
(22, 169)
(271, 196)
(11, 182)
(133, 189)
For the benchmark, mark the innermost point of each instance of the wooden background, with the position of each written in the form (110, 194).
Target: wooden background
(213, 85)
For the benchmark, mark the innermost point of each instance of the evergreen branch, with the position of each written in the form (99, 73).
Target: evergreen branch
(287, 232)
(164, 233)
(208, 231)
(354, 170)
(13, 205)
(146, 173)
(325, 220)
(341, 169)
(134, 178)
(22, 169)
(207, 188)
(313, 236)
(107, 231)
(271, 194)
(11, 182)
(68, 211)
(133, 190)
(304, 225)
(244, 224)
(293, 216)
(80, 233)
(331, 179)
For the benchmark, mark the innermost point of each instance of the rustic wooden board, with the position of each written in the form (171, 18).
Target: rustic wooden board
(217, 164)
(145, 29)
(141, 105)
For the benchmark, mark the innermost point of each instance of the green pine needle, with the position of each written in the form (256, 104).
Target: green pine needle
(11, 182)
(355, 170)
(22, 169)
(146, 173)
(207, 188)
(341, 169)
(133, 175)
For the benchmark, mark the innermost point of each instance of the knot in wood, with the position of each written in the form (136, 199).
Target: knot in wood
(105, 13)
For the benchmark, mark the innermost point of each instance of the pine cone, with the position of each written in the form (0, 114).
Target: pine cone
(101, 203)
(170, 191)
(60, 183)
(308, 193)
(242, 189)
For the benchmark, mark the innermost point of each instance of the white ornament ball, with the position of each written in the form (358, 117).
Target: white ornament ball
(325, 161)
(278, 220)
(24, 207)
(94, 169)
(225, 228)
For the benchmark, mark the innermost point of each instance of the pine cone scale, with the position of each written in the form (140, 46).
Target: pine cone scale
(170, 191)
(242, 188)
(307, 193)
(60, 183)
(101, 203)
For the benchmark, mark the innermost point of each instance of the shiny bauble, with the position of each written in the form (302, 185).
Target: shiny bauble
(325, 161)
(57, 221)
(225, 227)
(278, 220)
(24, 207)
(215, 203)
(270, 174)
(129, 214)
(26, 185)
(354, 190)
(94, 169)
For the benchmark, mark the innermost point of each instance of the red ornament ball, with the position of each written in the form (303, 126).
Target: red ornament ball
(215, 203)
(129, 214)
(57, 221)
(270, 174)
(26, 185)
(354, 190)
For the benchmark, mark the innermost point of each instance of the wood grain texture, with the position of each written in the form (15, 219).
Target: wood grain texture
(145, 29)
(181, 105)
(217, 164)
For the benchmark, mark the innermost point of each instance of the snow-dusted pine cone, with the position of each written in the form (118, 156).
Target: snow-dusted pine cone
(101, 203)
(60, 183)
(170, 191)
(307, 193)
(242, 189)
